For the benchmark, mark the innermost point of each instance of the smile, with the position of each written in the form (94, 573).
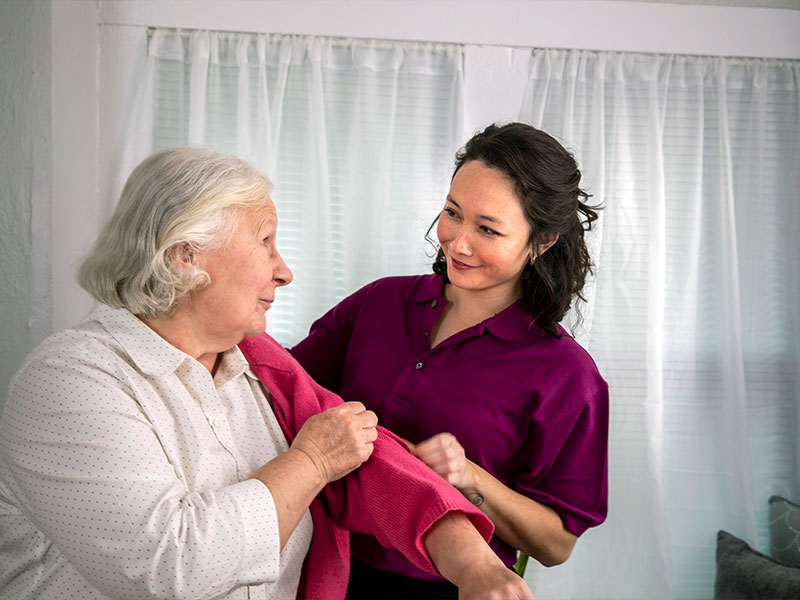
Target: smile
(459, 265)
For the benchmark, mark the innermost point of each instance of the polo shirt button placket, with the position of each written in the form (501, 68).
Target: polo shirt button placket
(419, 365)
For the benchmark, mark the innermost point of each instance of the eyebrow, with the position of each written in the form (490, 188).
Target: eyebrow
(270, 219)
(484, 217)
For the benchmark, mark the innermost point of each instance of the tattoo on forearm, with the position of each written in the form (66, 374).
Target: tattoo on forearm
(475, 497)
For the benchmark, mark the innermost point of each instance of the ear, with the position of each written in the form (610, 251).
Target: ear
(181, 256)
(546, 240)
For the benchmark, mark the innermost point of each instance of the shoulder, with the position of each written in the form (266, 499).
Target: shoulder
(569, 350)
(87, 342)
(403, 283)
(565, 365)
(401, 288)
(85, 358)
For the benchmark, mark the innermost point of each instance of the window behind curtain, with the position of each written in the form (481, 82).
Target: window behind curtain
(694, 311)
(358, 136)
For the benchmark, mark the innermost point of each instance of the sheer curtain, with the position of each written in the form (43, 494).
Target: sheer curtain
(694, 314)
(358, 137)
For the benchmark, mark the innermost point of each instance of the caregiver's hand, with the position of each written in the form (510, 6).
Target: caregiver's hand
(494, 582)
(445, 455)
(338, 440)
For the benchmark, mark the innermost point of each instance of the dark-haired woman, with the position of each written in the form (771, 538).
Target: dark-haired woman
(471, 366)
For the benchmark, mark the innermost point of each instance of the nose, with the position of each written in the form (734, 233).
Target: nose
(281, 275)
(461, 243)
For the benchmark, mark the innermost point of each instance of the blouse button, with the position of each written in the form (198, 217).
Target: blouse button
(434, 304)
(419, 365)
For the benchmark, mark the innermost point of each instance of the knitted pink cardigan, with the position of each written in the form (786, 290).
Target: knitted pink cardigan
(392, 496)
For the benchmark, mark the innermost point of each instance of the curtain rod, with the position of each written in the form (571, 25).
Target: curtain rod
(185, 32)
(386, 43)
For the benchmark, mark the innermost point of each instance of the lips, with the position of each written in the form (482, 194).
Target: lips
(456, 264)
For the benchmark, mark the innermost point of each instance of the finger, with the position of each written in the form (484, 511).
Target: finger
(352, 406)
(368, 419)
(444, 438)
(438, 465)
(370, 434)
(370, 447)
(430, 456)
(428, 446)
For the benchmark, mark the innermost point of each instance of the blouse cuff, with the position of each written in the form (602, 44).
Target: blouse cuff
(261, 558)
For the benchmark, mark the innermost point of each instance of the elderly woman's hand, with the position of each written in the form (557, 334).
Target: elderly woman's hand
(338, 440)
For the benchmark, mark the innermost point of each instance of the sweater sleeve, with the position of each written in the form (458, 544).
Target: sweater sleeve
(397, 498)
(393, 495)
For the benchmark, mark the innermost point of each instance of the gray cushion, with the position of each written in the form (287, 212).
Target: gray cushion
(784, 530)
(743, 573)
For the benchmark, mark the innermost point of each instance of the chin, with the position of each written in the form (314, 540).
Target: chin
(460, 280)
(256, 329)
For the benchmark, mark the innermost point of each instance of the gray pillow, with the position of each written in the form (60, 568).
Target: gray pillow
(743, 573)
(784, 530)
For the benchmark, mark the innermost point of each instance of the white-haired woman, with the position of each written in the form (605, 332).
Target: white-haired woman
(141, 457)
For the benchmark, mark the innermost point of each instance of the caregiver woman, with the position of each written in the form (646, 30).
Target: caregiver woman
(471, 365)
(141, 457)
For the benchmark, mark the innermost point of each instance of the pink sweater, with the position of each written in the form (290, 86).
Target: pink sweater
(392, 496)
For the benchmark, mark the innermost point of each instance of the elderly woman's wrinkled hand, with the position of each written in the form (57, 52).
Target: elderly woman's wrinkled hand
(338, 440)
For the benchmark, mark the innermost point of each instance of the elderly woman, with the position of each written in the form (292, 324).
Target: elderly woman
(141, 457)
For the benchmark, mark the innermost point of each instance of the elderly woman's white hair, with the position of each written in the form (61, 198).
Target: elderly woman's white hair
(186, 198)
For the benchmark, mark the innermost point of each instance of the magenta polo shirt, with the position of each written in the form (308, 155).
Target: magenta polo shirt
(530, 409)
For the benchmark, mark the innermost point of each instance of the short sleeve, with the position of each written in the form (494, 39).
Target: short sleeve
(566, 452)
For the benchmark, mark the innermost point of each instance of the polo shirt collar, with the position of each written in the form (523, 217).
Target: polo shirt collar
(513, 324)
(431, 287)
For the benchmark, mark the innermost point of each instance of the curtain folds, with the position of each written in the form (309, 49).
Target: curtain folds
(693, 315)
(357, 135)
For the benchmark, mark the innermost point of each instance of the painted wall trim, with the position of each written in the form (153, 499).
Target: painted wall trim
(587, 24)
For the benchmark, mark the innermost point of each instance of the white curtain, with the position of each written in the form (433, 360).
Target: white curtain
(358, 137)
(693, 317)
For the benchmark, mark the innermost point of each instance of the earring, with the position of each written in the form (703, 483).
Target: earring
(533, 259)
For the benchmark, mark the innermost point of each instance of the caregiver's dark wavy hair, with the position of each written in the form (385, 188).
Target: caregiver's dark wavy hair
(546, 178)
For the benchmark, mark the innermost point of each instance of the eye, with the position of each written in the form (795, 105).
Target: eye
(449, 212)
(265, 242)
(489, 231)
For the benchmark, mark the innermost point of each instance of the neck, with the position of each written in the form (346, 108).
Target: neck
(181, 330)
(478, 305)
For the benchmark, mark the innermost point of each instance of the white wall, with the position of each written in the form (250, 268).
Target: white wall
(92, 86)
(25, 182)
(75, 138)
